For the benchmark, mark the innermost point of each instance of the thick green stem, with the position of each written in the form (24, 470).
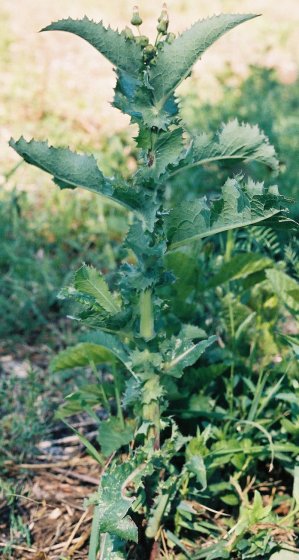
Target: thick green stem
(151, 413)
(151, 409)
(117, 394)
(146, 315)
(229, 245)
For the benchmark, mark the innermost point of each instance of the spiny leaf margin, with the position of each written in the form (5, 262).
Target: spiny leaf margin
(122, 52)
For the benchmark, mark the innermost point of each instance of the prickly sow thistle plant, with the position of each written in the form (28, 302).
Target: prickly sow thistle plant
(133, 326)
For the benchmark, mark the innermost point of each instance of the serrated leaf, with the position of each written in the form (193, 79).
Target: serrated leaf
(85, 398)
(196, 466)
(109, 342)
(111, 548)
(123, 53)
(167, 151)
(181, 55)
(113, 434)
(184, 353)
(239, 266)
(82, 354)
(235, 141)
(114, 505)
(69, 169)
(140, 242)
(136, 100)
(132, 392)
(149, 256)
(72, 170)
(97, 347)
(153, 390)
(241, 204)
(88, 281)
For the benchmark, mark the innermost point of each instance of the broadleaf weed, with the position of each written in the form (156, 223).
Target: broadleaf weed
(149, 318)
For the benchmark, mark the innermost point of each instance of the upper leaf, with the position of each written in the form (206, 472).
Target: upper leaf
(182, 352)
(149, 255)
(122, 52)
(137, 101)
(167, 150)
(234, 142)
(72, 170)
(240, 205)
(88, 281)
(175, 61)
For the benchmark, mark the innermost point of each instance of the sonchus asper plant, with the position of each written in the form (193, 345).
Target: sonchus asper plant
(133, 326)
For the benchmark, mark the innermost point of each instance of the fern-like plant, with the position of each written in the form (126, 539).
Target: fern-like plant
(133, 325)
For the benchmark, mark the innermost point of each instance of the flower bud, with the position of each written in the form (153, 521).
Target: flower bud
(136, 19)
(128, 33)
(164, 13)
(170, 38)
(163, 21)
(142, 40)
(149, 53)
(163, 26)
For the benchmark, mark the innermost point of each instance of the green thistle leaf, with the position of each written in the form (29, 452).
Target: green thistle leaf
(111, 343)
(182, 54)
(96, 347)
(81, 355)
(183, 353)
(88, 281)
(113, 505)
(122, 52)
(111, 548)
(71, 170)
(113, 434)
(167, 151)
(234, 142)
(240, 205)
